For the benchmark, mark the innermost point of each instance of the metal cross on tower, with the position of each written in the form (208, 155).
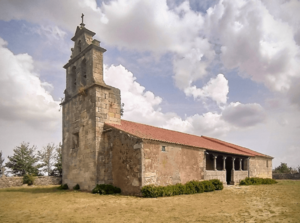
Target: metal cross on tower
(82, 24)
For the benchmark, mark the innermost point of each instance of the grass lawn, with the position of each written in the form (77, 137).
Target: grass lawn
(263, 203)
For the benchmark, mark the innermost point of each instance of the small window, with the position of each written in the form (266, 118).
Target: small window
(267, 165)
(75, 140)
(163, 148)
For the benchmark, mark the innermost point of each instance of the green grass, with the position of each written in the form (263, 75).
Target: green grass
(260, 203)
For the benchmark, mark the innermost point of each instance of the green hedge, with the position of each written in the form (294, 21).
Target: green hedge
(63, 187)
(28, 179)
(257, 181)
(190, 187)
(106, 189)
(76, 187)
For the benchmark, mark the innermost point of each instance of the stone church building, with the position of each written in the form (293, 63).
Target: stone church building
(101, 148)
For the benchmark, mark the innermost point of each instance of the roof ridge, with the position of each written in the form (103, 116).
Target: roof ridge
(162, 128)
(224, 144)
(217, 141)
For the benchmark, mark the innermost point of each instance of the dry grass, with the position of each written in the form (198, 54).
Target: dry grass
(264, 203)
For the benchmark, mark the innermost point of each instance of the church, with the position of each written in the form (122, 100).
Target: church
(101, 148)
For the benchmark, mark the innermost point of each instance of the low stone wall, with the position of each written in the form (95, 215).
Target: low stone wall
(239, 175)
(293, 176)
(215, 174)
(18, 181)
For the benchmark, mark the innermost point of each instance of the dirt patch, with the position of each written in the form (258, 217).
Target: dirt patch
(265, 203)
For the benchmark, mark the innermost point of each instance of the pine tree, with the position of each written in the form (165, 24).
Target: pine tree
(47, 156)
(1, 164)
(57, 171)
(23, 160)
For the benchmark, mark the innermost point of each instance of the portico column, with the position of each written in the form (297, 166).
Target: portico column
(224, 162)
(248, 166)
(215, 162)
(233, 159)
(241, 164)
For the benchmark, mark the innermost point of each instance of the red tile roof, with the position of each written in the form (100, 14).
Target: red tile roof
(169, 136)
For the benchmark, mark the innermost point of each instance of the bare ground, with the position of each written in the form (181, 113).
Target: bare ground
(263, 203)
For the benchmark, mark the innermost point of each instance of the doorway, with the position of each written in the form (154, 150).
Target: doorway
(228, 169)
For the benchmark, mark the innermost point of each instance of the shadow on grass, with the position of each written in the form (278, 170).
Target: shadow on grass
(34, 190)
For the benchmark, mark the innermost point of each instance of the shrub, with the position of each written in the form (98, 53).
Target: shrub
(217, 184)
(106, 189)
(63, 187)
(76, 187)
(28, 179)
(257, 181)
(190, 187)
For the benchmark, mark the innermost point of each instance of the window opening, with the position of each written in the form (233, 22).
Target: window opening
(73, 79)
(75, 141)
(83, 72)
(163, 148)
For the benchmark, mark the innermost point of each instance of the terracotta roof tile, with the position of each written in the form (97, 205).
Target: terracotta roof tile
(169, 136)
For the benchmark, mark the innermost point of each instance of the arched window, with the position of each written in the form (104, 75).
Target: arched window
(83, 72)
(73, 79)
(79, 46)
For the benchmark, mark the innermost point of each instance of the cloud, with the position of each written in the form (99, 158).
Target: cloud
(245, 30)
(23, 96)
(244, 115)
(143, 106)
(216, 89)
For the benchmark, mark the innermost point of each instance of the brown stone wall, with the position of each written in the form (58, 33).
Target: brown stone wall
(216, 174)
(239, 175)
(292, 176)
(260, 167)
(178, 164)
(6, 182)
(120, 161)
(88, 104)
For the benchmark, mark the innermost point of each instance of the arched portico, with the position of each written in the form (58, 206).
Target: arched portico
(228, 168)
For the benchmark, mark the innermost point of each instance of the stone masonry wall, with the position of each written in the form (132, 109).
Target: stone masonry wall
(216, 174)
(260, 167)
(239, 175)
(177, 164)
(292, 176)
(120, 162)
(6, 182)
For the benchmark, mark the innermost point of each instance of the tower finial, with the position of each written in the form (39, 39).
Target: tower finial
(82, 24)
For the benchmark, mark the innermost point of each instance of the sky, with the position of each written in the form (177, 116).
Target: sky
(226, 69)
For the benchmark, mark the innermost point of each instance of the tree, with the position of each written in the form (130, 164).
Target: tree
(283, 168)
(46, 156)
(23, 160)
(57, 171)
(1, 164)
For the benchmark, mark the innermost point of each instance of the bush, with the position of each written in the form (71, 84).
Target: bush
(257, 181)
(76, 187)
(28, 179)
(190, 187)
(63, 187)
(217, 184)
(106, 189)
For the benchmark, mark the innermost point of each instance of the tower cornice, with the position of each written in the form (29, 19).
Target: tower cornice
(92, 46)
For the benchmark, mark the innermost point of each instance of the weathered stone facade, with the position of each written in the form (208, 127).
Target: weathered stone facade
(260, 167)
(88, 103)
(6, 182)
(177, 164)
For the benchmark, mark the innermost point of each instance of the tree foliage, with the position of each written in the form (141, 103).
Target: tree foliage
(1, 164)
(57, 171)
(282, 168)
(46, 157)
(23, 160)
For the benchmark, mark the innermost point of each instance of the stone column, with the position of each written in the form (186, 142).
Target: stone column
(224, 162)
(232, 171)
(248, 166)
(233, 159)
(241, 164)
(215, 162)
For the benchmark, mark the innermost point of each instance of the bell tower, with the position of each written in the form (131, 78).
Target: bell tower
(87, 105)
